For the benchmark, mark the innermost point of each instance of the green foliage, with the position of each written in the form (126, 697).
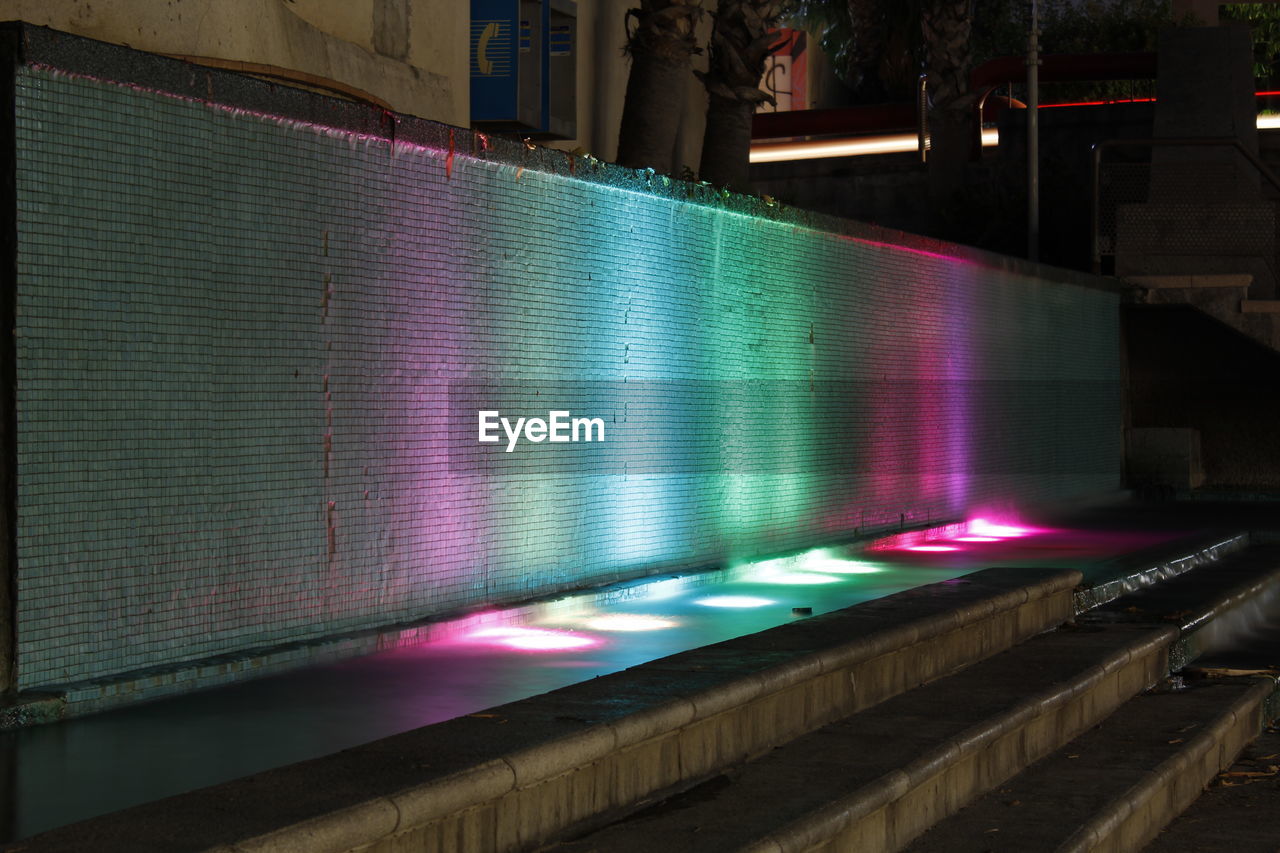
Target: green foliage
(1103, 26)
(1264, 20)
(875, 45)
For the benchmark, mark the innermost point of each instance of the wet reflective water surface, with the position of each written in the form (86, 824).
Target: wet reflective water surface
(60, 773)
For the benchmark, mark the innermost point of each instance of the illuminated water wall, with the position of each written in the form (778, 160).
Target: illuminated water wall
(251, 354)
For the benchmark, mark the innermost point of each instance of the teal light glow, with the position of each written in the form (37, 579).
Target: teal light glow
(799, 578)
(666, 589)
(818, 566)
(826, 560)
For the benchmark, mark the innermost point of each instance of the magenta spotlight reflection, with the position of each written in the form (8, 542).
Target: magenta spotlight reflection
(983, 527)
(932, 548)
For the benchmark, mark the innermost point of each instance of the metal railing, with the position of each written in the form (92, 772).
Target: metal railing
(922, 117)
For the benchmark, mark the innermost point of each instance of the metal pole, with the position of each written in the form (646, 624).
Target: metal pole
(1095, 213)
(1033, 136)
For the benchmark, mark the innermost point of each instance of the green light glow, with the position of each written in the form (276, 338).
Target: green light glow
(810, 567)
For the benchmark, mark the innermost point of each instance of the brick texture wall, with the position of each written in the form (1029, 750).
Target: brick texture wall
(251, 352)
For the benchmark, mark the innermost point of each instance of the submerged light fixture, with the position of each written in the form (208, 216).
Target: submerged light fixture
(532, 639)
(983, 527)
(629, 622)
(734, 601)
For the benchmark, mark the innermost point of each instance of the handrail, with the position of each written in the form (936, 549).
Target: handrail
(1171, 142)
(1054, 68)
(922, 117)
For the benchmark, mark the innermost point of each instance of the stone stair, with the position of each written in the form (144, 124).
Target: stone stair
(1056, 744)
(1116, 785)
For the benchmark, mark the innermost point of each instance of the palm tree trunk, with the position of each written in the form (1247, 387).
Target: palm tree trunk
(740, 44)
(661, 48)
(946, 26)
(726, 143)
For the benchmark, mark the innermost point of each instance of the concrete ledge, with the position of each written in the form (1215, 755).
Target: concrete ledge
(1260, 306)
(31, 709)
(1170, 281)
(525, 772)
(1161, 564)
(1197, 603)
(329, 833)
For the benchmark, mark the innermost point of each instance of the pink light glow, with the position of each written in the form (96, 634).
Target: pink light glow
(903, 541)
(983, 527)
(880, 244)
(533, 639)
(932, 548)
(977, 538)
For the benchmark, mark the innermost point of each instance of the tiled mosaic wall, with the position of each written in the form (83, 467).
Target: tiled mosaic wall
(251, 355)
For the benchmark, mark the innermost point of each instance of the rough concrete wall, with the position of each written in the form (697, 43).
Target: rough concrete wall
(1194, 374)
(251, 354)
(422, 71)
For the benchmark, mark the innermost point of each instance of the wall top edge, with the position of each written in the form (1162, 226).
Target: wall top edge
(27, 45)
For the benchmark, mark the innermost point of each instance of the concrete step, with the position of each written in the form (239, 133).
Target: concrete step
(1240, 811)
(1115, 786)
(876, 780)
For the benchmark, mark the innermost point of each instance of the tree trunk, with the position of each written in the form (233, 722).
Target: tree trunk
(740, 44)
(945, 26)
(726, 145)
(661, 48)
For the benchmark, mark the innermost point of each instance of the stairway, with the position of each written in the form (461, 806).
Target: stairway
(1056, 744)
